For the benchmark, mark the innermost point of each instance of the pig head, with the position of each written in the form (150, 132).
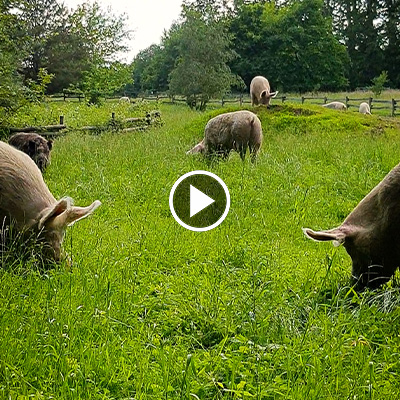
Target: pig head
(371, 233)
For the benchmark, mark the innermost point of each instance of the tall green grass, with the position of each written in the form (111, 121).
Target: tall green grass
(251, 309)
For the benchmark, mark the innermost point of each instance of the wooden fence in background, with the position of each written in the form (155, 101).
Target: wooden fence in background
(375, 104)
(124, 125)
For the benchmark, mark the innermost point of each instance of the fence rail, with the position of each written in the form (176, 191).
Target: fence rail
(128, 125)
(390, 105)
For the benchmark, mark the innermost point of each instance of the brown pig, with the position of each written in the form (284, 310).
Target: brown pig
(371, 233)
(37, 147)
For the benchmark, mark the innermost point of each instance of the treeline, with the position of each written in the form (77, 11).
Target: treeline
(215, 47)
(301, 46)
(46, 48)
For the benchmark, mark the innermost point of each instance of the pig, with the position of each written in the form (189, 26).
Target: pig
(37, 147)
(364, 108)
(260, 91)
(371, 233)
(26, 201)
(124, 99)
(231, 131)
(335, 105)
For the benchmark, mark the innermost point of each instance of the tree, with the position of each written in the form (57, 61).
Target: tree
(68, 43)
(153, 66)
(291, 45)
(105, 80)
(12, 37)
(357, 24)
(202, 70)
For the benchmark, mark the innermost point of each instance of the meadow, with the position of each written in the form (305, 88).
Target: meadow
(250, 309)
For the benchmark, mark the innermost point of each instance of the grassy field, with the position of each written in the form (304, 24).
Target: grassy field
(251, 309)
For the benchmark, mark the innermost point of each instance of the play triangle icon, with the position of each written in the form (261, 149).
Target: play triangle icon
(198, 201)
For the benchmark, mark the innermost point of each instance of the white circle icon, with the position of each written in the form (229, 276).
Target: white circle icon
(196, 200)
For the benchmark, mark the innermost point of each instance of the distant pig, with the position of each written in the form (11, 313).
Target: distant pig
(364, 108)
(335, 105)
(260, 91)
(26, 201)
(236, 130)
(371, 233)
(37, 147)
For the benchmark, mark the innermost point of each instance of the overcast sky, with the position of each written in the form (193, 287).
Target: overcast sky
(147, 18)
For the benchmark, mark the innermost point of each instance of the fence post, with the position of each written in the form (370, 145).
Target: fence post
(370, 100)
(113, 115)
(283, 99)
(394, 106)
(241, 99)
(325, 99)
(222, 102)
(61, 119)
(302, 99)
(347, 101)
(64, 96)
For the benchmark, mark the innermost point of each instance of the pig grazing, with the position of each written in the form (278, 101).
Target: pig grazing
(371, 233)
(124, 99)
(231, 131)
(335, 105)
(260, 91)
(26, 201)
(37, 147)
(364, 109)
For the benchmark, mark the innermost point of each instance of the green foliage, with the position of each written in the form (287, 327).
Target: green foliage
(250, 309)
(202, 71)
(292, 46)
(68, 43)
(101, 81)
(11, 39)
(37, 89)
(378, 83)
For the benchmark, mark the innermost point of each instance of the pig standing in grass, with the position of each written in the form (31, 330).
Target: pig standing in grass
(26, 201)
(37, 147)
(371, 233)
(335, 105)
(364, 108)
(231, 131)
(260, 91)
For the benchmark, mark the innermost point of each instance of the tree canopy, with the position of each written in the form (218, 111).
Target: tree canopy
(215, 46)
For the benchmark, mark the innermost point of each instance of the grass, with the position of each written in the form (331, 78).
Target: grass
(251, 309)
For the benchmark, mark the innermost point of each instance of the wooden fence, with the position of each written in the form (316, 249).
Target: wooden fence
(375, 104)
(125, 125)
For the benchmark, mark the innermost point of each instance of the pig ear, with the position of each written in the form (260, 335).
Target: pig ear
(50, 144)
(74, 214)
(338, 237)
(54, 211)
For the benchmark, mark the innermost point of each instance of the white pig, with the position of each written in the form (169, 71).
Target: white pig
(260, 91)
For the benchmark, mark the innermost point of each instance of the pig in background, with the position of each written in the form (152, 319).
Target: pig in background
(236, 130)
(260, 91)
(27, 203)
(37, 147)
(371, 233)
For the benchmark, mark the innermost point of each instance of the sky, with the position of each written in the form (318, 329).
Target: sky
(147, 18)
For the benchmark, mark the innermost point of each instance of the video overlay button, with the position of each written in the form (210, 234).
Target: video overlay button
(199, 201)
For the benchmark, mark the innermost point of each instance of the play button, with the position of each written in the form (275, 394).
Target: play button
(199, 200)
